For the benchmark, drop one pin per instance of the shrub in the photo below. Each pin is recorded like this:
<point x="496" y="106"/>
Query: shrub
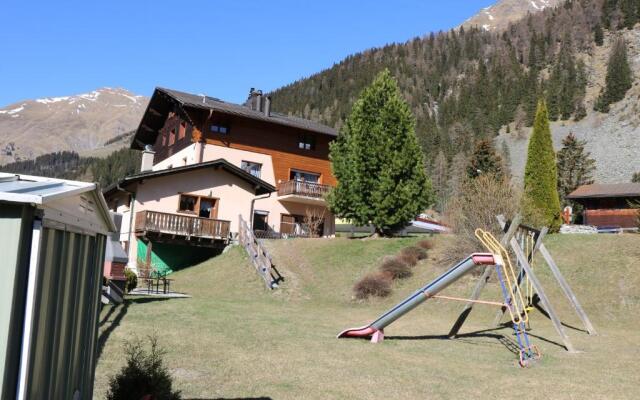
<point x="426" y="244"/>
<point x="376" y="284"/>
<point x="479" y="202"/>
<point x="417" y="252"/>
<point x="132" y="280"/>
<point x="144" y="374"/>
<point x="395" y="268"/>
<point x="409" y="259"/>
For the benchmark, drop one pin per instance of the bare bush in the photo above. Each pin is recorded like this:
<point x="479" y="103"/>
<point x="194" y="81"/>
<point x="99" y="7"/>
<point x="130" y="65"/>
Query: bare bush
<point x="314" y="220"/>
<point x="395" y="268"/>
<point x="480" y="200"/>
<point x="375" y="284"/>
<point x="417" y="252"/>
<point x="409" y="259"/>
<point x="426" y="244"/>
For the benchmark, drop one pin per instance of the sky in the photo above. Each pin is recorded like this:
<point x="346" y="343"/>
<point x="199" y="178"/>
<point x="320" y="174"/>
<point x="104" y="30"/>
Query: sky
<point x="218" y="48"/>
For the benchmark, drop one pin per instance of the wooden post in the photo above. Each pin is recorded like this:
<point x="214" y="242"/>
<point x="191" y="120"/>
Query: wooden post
<point x="567" y="290"/>
<point x="148" y="257"/>
<point x="542" y="295"/>
<point x="482" y="282"/>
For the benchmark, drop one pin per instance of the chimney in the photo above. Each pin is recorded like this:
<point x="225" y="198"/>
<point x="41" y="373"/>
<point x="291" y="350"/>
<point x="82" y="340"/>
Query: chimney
<point x="147" y="158"/>
<point x="267" y="106"/>
<point x="258" y="101"/>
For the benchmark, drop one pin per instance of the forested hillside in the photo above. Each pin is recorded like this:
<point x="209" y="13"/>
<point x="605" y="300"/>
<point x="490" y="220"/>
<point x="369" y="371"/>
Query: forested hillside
<point x="464" y="85"/>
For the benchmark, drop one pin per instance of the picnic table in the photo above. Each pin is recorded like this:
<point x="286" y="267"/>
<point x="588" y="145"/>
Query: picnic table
<point x="155" y="278"/>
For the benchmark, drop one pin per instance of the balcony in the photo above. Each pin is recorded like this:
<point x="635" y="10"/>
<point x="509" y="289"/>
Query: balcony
<point x="181" y="226"/>
<point x="303" y="192"/>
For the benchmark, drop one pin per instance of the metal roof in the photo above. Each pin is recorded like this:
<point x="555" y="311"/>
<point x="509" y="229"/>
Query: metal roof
<point x="212" y="103"/>
<point x="262" y="187"/>
<point x="606" y="190"/>
<point x="42" y="190"/>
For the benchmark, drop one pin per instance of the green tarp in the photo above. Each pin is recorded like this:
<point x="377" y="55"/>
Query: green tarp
<point x="168" y="258"/>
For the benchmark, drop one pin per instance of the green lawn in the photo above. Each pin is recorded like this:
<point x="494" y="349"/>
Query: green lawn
<point x="234" y="339"/>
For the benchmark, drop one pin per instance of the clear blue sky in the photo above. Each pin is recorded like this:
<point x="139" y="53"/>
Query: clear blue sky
<point x="221" y="48"/>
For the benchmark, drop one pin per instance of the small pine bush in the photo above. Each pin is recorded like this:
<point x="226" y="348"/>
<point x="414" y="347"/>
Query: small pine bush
<point x="144" y="374"/>
<point x="377" y="285"/>
<point x="426" y="244"/>
<point x="395" y="268"/>
<point x="132" y="280"/>
<point x="417" y="252"/>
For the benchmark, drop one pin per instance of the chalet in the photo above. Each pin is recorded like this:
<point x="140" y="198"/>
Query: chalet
<point x="608" y="205"/>
<point x="208" y="164"/>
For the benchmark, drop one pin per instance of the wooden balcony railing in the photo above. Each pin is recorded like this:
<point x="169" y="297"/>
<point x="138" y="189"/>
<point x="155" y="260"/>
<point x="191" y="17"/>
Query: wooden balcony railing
<point x="308" y="189"/>
<point x="183" y="225"/>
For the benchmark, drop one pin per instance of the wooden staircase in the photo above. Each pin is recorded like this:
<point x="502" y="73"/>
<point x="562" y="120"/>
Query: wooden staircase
<point x="259" y="256"/>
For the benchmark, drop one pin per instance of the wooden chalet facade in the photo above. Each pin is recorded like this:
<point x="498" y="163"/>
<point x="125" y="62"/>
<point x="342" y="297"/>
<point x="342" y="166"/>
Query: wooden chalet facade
<point x="207" y="162"/>
<point x="608" y="205"/>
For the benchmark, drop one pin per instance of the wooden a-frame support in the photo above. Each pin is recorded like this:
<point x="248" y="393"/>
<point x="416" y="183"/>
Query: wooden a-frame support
<point x="523" y="261"/>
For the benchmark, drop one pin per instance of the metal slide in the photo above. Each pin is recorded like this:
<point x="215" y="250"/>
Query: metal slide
<point x="375" y="329"/>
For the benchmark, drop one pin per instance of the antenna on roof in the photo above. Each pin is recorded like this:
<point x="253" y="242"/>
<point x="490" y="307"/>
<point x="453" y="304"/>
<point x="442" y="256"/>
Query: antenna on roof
<point x="204" y="99"/>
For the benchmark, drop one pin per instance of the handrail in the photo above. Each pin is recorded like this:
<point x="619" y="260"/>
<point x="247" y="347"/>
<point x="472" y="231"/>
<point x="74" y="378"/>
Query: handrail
<point x="259" y="256"/>
<point x="156" y="221"/>
<point x="309" y="189"/>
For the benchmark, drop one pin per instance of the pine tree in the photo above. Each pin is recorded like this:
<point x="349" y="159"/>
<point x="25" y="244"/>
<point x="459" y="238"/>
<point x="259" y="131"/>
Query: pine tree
<point x="485" y="161"/>
<point x="440" y="178"/>
<point x="636" y="177"/>
<point x="619" y="78"/>
<point x="541" y="175"/>
<point x="378" y="163"/>
<point x="575" y="167"/>
<point x="598" y="35"/>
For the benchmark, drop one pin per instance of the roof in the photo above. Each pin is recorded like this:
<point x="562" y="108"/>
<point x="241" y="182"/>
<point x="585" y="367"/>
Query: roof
<point x="606" y="190"/>
<point x="42" y="190"/>
<point x="150" y="124"/>
<point x="262" y="187"/>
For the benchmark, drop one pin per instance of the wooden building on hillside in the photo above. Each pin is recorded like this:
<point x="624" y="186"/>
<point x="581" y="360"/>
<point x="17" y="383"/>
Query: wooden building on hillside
<point x="608" y="205"/>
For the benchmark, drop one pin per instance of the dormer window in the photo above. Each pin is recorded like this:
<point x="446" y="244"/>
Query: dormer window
<point x="219" y="128"/>
<point x="307" y="142"/>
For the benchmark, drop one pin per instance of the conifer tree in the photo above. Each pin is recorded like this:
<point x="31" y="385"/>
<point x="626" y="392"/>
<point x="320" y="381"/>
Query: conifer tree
<point x="575" y="166"/>
<point x="485" y="161"/>
<point x="619" y="78"/>
<point x="378" y="163"/>
<point x="598" y="35"/>
<point x="636" y="177"/>
<point x="540" y="175"/>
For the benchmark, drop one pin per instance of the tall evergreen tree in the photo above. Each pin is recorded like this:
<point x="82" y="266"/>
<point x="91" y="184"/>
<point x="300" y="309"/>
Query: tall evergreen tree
<point x="575" y="166"/>
<point x="378" y="163"/>
<point x="619" y="78"/>
<point x="636" y="177"/>
<point x="541" y="175"/>
<point x="598" y="35"/>
<point x="485" y="161"/>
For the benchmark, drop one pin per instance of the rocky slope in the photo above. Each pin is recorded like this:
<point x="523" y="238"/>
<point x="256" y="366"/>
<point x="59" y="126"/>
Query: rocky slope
<point x="80" y="123"/>
<point x="613" y="138"/>
<point x="499" y="15"/>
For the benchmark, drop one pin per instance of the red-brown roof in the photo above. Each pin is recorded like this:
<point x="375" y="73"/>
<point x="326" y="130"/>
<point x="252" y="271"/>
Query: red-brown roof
<point x="606" y="190"/>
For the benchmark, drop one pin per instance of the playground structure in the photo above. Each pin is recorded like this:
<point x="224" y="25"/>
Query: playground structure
<point x="520" y="289"/>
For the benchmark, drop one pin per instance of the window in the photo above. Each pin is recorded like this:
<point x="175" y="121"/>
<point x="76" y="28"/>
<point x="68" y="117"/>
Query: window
<point x="183" y="130"/>
<point x="260" y="220"/>
<point x="172" y="137"/>
<point x="203" y="207"/>
<point x="219" y="128"/>
<point x="307" y="142"/>
<point x="304" y="176"/>
<point x="252" y="167"/>
<point x="187" y="203"/>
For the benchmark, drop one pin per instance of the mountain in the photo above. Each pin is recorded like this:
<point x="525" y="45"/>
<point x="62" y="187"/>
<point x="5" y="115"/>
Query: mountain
<point x="501" y="14"/>
<point x="472" y="83"/>
<point x="80" y="123"/>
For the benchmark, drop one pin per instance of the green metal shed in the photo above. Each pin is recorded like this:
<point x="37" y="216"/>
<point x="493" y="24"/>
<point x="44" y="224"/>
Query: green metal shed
<point x="52" y="244"/>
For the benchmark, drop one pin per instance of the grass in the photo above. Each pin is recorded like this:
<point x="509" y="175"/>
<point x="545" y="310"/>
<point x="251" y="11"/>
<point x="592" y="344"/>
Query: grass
<point x="233" y="339"/>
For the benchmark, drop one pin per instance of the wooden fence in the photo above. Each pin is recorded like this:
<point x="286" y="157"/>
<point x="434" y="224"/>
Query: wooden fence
<point x="259" y="256"/>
